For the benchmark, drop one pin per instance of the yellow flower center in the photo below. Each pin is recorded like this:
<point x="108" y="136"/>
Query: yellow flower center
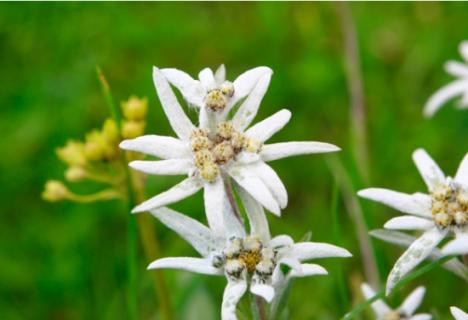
<point x="211" y="151"/>
<point x="392" y="315"/>
<point x="217" y="98"/>
<point x="449" y="206"/>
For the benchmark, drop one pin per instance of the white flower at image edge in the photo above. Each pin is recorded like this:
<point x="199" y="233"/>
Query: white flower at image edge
<point x="458" y="314"/>
<point x="456" y="88"/>
<point x="405" y="311"/>
<point x="210" y="153"/>
<point x="252" y="260"/>
<point x="442" y="212"/>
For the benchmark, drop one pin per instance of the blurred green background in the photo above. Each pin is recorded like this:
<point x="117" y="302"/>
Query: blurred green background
<point x="67" y="261"/>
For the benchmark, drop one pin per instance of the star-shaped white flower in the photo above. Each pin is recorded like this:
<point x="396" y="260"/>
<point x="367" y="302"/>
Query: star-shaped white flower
<point x="456" y="88"/>
<point x="211" y="153"/>
<point x="458" y="314"/>
<point x="442" y="212"/>
<point x="404" y="312"/>
<point x="252" y="260"/>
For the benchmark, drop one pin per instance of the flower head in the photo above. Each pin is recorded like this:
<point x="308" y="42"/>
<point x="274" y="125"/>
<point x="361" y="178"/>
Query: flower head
<point x="246" y="260"/>
<point x="456" y="88"/>
<point x="440" y="213"/>
<point x="404" y="312"/>
<point x="218" y="148"/>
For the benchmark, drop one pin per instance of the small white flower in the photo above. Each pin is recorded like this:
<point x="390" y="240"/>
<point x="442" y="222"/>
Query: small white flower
<point x="246" y="260"/>
<point x="404" y="312"/>
<point x="458" y="314"/>
<point x="453" y="89"/>
<point x="219" y="149"/>
<point x="442" y="212"/>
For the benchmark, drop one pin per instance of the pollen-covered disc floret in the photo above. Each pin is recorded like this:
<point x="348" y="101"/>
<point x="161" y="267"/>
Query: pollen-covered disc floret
<point x="247" y="256"/>
<point x="450" y="205"/>
<point x="217" y="98"/>
<point x="211" y="150"/>
<point x="394" y="315"/>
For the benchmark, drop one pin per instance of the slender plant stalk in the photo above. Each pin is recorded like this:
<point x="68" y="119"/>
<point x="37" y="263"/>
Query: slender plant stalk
<point x="355" y="89"/>
<point x="147" y="235"/>
<point x="381" y="294"/>
<point x="357" y="217"/>
<point x="258" y="304"/>
<point x="343" y="292"/>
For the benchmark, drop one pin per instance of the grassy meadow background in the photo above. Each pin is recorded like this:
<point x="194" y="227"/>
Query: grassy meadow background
<point x="68" y="261"/>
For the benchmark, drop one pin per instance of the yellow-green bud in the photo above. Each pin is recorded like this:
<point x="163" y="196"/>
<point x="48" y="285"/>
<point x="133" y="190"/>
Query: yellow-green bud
<point x="110" y="131"/>
<point x="132" y="129"/>
<point x="135" y="108"/>
<point x="95" y="146"/>
<point x="55" y="191"/>
<point x="72" y="153"/>
<point x="75" y="173"/>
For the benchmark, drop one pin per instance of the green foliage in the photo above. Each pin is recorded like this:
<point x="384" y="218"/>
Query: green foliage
<point x="67" y="261"/>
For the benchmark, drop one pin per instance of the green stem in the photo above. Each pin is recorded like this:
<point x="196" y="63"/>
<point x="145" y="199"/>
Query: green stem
<point x="107" y="194"/>
<point x="381" y="294"/>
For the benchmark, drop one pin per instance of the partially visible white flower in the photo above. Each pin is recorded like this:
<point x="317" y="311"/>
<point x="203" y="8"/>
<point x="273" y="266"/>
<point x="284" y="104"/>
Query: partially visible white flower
<point x="210" y="155"/>
<point x="456" y="88"/>
<point x="252" y="260"/>
<point x="458" y="314"/>
<point x="404" y="312"/>
<point x="442" y="212"/>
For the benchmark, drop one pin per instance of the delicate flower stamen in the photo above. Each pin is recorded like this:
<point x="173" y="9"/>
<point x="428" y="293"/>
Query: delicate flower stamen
<point x="450" y="205"/>
<point x="219" y="148"/>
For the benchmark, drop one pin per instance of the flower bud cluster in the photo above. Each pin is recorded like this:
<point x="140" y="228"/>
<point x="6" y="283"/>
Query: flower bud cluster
<point x="217" y="98"/>
<point x="134" y="111"/>
<point x="247" y="256"/>
<point x="450" y="206"/>
<point x="210" y="152"/>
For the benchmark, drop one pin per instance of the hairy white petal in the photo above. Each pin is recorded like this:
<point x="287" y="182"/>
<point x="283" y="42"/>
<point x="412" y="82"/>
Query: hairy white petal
<point x="265" y="291"/>
<point x="232" y="294"/>
<point x="462" y="172"/>
<point x="458" y="314"/>
<point x="413" y="301"/>
<point x="315" y="250"/>
<point x="422" y="316"/>
<point x="456" y="68"/>
<point x="380" y="308"/>
<point x="200" y="237"/>
<point x="255" y="186"/>
<point x="308" y="269"/>
<point x="248" y="109"/>
<point x="463" y="48"/>
<point x="191" y="89"/>
<point x="244" y="84"/>
<point x="444" y="94"/>
<point x="197" y="265"/>
<point x="416" y="253"/>
<point x="178" y="192"/>
<point x="409" y="223"/>
<point x="266" y="128"/>
<point x="256" y="215"/>
<point x="220" y="74"/>
<point x="207" y="78"/>
<point x="179" y="121"/>
<point x="457" y="246"/>
<point x="281" y="150"/>
<point x="163" y="167"/>
<point x="159" y="146"/>
<point x="428" y="168"/>
<point x="416" y="204"/>
<point x="272" y="182"/>
<point x="282" y="240"/>
<point x="404" y="240"/>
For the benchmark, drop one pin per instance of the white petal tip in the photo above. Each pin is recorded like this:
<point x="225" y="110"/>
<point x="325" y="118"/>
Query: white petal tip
<point x="139" y="209"/>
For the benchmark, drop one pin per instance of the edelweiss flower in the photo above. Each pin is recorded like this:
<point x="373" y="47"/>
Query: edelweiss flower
<point x="404" y="312"/>
<point x="458" y="314"/>
<point x="453" y="89"/>
<point x="246" y="260"/>
<point x="209" y="155"/>
<point x="442" y="212"/>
